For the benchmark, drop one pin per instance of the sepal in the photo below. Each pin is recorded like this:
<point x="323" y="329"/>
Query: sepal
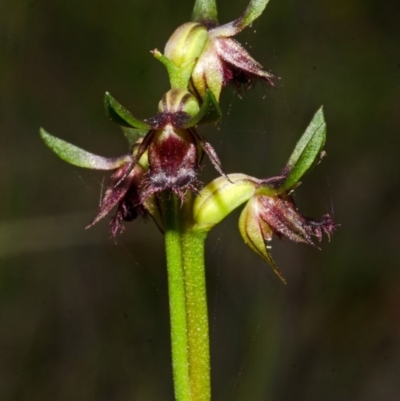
<point x="255" y="233"/>
<point x="79" y="157"/>
<point x="306" y="153"/>
<point x="220" y="197"/>
<point x="209" y="112"/>
<point x="181" y="52"/>
<point x="252" y="12"/>
<point x="122" y="116"/>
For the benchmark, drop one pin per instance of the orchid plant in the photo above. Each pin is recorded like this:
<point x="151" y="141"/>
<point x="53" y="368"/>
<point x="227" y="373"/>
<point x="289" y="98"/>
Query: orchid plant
<point x="158" y="177"/>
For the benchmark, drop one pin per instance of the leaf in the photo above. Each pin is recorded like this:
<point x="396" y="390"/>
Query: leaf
<point x="205" y="12"/>
<point x="120" y="115"/>
<point x="307" y="151"/>
<point x="209" y="111"/>
<point x="79" y="157"/>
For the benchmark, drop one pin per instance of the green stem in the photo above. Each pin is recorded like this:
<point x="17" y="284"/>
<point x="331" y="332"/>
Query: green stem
<point x="177" y="301"/>
<point x="197" y="315"/>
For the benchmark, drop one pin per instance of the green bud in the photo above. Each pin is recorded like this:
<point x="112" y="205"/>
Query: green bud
<point x="219" y="198"/>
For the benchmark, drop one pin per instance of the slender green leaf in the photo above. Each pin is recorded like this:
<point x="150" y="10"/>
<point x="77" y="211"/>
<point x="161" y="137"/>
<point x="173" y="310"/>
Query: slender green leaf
<point x="205" y="12"/>
<point x="79" y="157"/>
<point x="120" y="115"/>
<point x="209" y="111"/>
<point x="307" y="151"/>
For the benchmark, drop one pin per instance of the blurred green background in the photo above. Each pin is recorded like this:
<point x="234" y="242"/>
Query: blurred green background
<point x="82" y="318"/>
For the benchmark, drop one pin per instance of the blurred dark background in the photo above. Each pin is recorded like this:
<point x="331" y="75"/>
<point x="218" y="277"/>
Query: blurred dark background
<point x="82" y="318"/>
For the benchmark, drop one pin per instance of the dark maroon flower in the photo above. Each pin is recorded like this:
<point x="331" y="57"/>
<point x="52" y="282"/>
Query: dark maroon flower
<point x="174" y="147"/>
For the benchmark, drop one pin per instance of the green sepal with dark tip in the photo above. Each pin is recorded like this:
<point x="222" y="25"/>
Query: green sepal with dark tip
<point x="120" y="115"/>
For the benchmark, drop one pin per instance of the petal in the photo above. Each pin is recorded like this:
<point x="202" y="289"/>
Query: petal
<point x="81" y="158"/>
<point x="283" y="218"/>
<point x="115" y="191"/>
<point x="205" y="12"/>
<point x="209" y="72"/>
<point x="306" y="153"/>
<point x="252" y="12"/>
<point x="210" y="151"/>
<point x="120" y="115"/>
<point x="233" y="53"/>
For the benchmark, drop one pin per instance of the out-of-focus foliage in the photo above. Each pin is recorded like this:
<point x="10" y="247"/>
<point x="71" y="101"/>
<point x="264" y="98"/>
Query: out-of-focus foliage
<point x="84" y="319"/>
